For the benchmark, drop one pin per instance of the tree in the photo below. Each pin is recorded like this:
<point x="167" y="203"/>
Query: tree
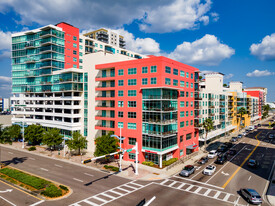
<point x="77" y="142"/>
<point x="52" y="137"/>
<point x="208" y="125"/>
<point x="105" y="145"/>
<point x="241" y="112"/>
<point x="200" y="77"/>
<point x="225" y="85"/>
<point x="15" y="132"/>
<point x="5" y="136"/>
<point x="266" y="109"/>
<point x="34" y="134"/>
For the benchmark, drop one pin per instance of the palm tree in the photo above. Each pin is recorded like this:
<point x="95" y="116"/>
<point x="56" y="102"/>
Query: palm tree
<point x="208" y="125"/>
<point x="241" y="112"/>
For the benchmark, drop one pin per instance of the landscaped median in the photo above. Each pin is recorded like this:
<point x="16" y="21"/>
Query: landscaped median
<point x="33" y="184"/>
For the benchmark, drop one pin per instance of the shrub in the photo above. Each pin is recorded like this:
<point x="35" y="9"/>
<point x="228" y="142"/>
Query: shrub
<point x="151" y="164"/>
<point x="32" y="148"/>
<point x="52" y="191"/>
<point x="115" y="169"/>
<point x="169" y="162"/>
<point x="27" y="179"/>
<point x="63" y="187"/>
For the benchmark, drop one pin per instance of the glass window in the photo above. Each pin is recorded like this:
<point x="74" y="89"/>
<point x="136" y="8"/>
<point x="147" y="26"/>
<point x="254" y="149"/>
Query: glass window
<point x="132" y="156"/>
<point x="120" y="72"/>
<point x="96" y="45"/>
<point x="187" y="113"/>
<point x="167" y="81"/>
<point x="132" y="141"/>
<point x="181" y="138"/>
<point x="80" y="40"/>
<point x="182" y="124"/>
<point x="144" y="81"/>
<point x="168" y="70"/>
<point x="132" y="93"/>
<point x="191" y="94"/>
<point x="182" y="83"/>
<point x="188" y="136"/>
<point x="153" y="69"/>
<point x="144" y="70"/>
<point x="191" y="85"/>
<point x="120" y="93"/>
<point x="182" y="73"/>
<point x="74" y="59"/>
<point x="120" y="103"/>
<point x="191" y="75"/>
<point x="187" y="84"/>
<point x="191" y="122"/>
<point x="175" y="82"/>
<point x="74" y="52"/>
<point x="181" y="103"/>
<point x="181" y="152"/>
<point x="132" y="82"/>
<point x="132" y="126"/>
<point x="74" y="45"/>
<point x="181" y="93"/>
<point x="120" y="114"/>
<point x="74" y="38"/>
<point x="187" y="103"/>
<point x="175" y="71"/>
<point x="191" y="113"/>
<point x="182" y="114"/>
<point x="132" y="104"/>
<point x="153" y="80"/>
<point x="187" y="94"/>
<point x="120" y="82"/>
<point x="187" y="123"/>
<point x="132" y="115"/>
<point x="120" y="125"/>
<point x="132" y="71"/>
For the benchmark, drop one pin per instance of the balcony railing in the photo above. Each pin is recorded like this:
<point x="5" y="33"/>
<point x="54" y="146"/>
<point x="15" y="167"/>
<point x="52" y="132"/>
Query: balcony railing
<point x="153" y="121"/>
<point x="161" y="133"/>
<point x="198" y="98"/>
<point x="167" y="109"/>
<point x="105" y="96"/>
<point x="105" y="76"/>
<point x="106" y="126"/>
<point x="212" y="106"/>
<point x="160" y="97"/>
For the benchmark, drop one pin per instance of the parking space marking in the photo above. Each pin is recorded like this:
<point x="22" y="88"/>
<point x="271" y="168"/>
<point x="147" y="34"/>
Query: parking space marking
<point x="249" y="178"/>
<point x="88" y="174"/>
<point x="37" y="203"/>
<point x="163" y="182"/>
<point x="58" y="165"/>
<point x="189" y="188"/>
<point x="77" y="180"/>
<point x="217" y="194"/>
<point x="7" y="201"/>
<point x="44" y="169"/>
<point x="182" y="184"/>
<point x="197" y="190"/>
<point x="100" y="199"/>
<point x="226" y="197"/>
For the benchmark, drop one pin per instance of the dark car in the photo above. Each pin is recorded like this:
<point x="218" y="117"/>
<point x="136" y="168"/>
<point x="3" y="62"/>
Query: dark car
<point x="222" y="149"/>
<point x="233" y="139"/>
<point x="247" y="130"/>
<point x="253" y="163"/>
<point x="255" y="126"/>
<point x="229" y="144"/>
<point x="232" y="152"/>
<point x="259" y="125"/>
<point x="203" y="160"/>
<point x="251" y="196"/>
<point x="187" y="171"/>
<point x="221" y="159"/>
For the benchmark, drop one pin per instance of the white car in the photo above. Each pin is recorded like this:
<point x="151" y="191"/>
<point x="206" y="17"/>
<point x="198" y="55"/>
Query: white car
<point x="212" y="154"/>
<point x="244" y="133"/>
<point x="209" y="170"/>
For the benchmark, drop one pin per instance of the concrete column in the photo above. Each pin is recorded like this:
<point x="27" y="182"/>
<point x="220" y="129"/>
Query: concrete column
<point x="160" y="161"/>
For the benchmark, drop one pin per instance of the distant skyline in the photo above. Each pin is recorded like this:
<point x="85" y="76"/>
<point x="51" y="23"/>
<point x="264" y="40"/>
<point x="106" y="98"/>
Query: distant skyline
<point x="236" y="38"/>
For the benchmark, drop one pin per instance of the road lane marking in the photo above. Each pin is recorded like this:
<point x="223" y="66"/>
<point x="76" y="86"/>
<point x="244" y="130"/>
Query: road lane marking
<point x="163" y="182"/>
<point x="249" y="178"/>
<point x="8" y="201"/>
<point x="217" y="194"/>
<point x="44" y="169"/>
<point x="10" y="152"/>
<point x="226" y="197"/>
<point x="58" y="165"/>
<point x="237" y="170"/>
<point x="111" y="197"/>
<point x="37" y="203"/>
<point x="7" y="190"/>
<point x="182" y="184"/>
<point x="77" y="180"/>
<point x="172" y="184"/>
<point x="88" y="174"/>
<point x="100" y="199"/>
<point x="197" y="190"/>
<point x="207" y="192"/>
<point x="189" y="188"/>
<point x="224" y="165"/>
<point x="31" y="158"/>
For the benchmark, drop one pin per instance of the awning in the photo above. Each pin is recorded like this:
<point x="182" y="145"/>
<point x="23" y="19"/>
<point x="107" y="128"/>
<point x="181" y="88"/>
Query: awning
<point x="192" y="146"/>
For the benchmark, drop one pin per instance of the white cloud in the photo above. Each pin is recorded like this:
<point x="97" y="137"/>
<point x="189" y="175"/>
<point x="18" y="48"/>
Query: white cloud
<point x="180" y="14"/>
<point x="266" y="49"/>
<point x="139" y="45"/>
<point x="215" y="16"/>
<point x="260" y="73"/>
<point x="205" y="51"/>
<point x="5" y="40"/>
<point x="153" y="16"/>
<point x="228" y="76"/>
<point x="4" y="54"/>
<point x="206" y="72"/>
<point x="5" y="79"/>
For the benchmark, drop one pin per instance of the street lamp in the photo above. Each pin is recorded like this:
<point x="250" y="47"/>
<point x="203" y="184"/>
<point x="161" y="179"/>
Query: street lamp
<point x="21" y="124"/>
<point x="120" y="149"/>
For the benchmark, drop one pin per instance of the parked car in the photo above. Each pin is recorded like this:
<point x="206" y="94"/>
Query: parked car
<point x="247" y="130"/>
<point x="251" y="196"/>
<point x="233" y="139"/>
<point x="255" y="127"/>
<point x="259" y="125"/>
<point x="239" y="136"/>
<point x="244" y="133"/>
<point x="251" y="128"/>
<point x="212" y="154"/>
<point x="221" y="159"/>
<point x="209" y="170"/>
<point x="229" y="144"/>
<point x="232" y="152"/>
<point x="271" y="136"/>
<point x="187" y="171"/>
<point x="253" y="163"/>
<point x="222" y="148"/>
<point x="203" y="160"/>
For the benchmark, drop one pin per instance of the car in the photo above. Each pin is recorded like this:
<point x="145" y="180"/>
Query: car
<point x="203" y="160"/>
<point x="255" y="127"/>
<point x="244" y="133"/>
<point x="239" y="136"/>
<point x="229" y="144"/>
<point x="212" y="154"/>
<point x="232" y="152"/>
<point x="259" y="125"/>
<point x="233" y="139"/>
<point x="253" y="163"/>
<point x="271" y="136"/>
<point x="222" y="148"/>
<point x="251" y="196"/>
<point x="209" y="170"/>
<point x="247" y="130"/>
<point x="221" y="159"/>
<point x="251" y="128"/>
<point x="187" y="171"/>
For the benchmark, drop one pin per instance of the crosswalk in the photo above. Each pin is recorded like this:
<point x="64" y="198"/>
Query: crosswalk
<point x="111" y="195"/>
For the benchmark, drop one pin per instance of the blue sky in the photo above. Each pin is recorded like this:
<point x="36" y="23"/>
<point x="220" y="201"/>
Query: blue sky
<point x="234" y="37"/>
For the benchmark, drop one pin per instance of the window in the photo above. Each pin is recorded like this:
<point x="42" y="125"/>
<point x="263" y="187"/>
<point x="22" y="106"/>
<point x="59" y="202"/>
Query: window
<point x="182" y="124"/>
<point x="132" y="82"/>
<point x="153" y="69"/>
<point x="153" y="80"/>
<point x="120" y="103"/>
<point x="132" y="115"/>
<point x="182" y="73"/>
<point x="181" y="103"/>
<point x="144" y="70"/>
<point x="167" y="70"/>
<point x="74" y="38"/>
<point x="181" y="93"/>
<point x="187" y="84"/>
<point x="182" y="83"/>
<point x="120" y="114"/>
<point x="187" y="104"/>
<point x="191" y="104"/>
<point x="182" y="114"/>
<point x="181" y="152"/>
<point x="80" y="61"/>
<point x="132" y="126"/>
<point x="120" y="125"/>
<point x="132" y="71"/>
<point x="191" y="75"/>
<point x="120" y="82"/>
<point x="120" y="93"/>
<point x="167" y="81"/>
<point x="74" y="45"/>
<point x="187" y="74"/>
<point x="132" y="104"/>
<point x="188" y="136"/>
<point x="187" y="114"/>
<point x="132" y="93"/>
<point x="187" y="94"/>
<point x="74" y="59"/>
<point x="132" y="141"/>
<point x="181" y="138"/>
<point x="191" y="94"/>
<point x="101" y="47"/>
<point x="175" y="71"/>
<point x="191" y="85"/>
<point x="120" y="72"/>
<point x="74" y="52"/>
<point x="175" y="82"/>
<point x="74" y="66"/>
<point x="132" y="156"/>
<point x="96" y="45"/>
<point x="144" y="81"/>
<point x="80" y="47"/>
<point x="80" y="54"/>
<point x="191" y="113"/>
<point x="187" y="123"/>
<point x="80" y="40"/>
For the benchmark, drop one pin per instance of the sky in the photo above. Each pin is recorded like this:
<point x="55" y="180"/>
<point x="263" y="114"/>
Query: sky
<point x="236" y="37"/>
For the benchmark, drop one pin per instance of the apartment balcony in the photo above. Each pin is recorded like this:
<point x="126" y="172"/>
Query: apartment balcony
<point x="104" y="88"/>
<point x="197" y="126"/>
<point x="157" y="97"/>
<point x="212" y="114"/>
<point x="104" y="107"/>
<point x="162" y="122"/>
<point x="198" y="116"/>
<point x="212" y="106"/>
<point x="211" y="99"/>
<point x="104" y="127"/>
<point x="222" y="105"/>
<point x="198" y="98"/>
<point x="166" y="109"/>
<point x="163" y="134"/>
<point x="30" y="46"/>
<point x="197" y="107"/>
<point x="30" y="61"/>
<point x="222" y="112"/>
<point x="105" y="77"/>
<point x="106" y="117"/>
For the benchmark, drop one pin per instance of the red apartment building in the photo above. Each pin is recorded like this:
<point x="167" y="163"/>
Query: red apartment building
<point x="152" y="101"/>
<point x="260" y="95"/>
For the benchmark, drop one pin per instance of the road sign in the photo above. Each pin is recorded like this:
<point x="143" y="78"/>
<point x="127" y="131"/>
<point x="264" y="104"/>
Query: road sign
<point x="129" y="150"/>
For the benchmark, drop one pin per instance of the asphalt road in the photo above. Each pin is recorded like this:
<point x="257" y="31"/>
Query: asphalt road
<point x="92" y="187"/>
